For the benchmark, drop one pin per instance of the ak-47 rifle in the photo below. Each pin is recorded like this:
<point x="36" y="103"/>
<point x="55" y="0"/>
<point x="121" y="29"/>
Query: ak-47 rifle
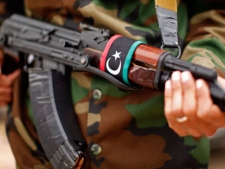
<point x="51" y="52"/>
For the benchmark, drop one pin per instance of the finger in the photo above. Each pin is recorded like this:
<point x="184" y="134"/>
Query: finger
<point x="9" y="79"/>
<point x="168" y="98"/>
<point x="14" y="75"/>
<point x="217" y="116"/>
<point x="189" y="95"/>
<point x="176" y="103"/>
<point x="4" y="91"/>
<point x="5" y="100"/>
<point x="171" y="119"/>
<point x="204" y="111"/>
<point x="204" y="100"/>
<point x="189" y="104"/>
<point x="5" y="95"/>
<point x="210" y="112"/>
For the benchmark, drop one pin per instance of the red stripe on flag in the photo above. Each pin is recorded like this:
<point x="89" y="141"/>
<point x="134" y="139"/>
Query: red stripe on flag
<point x="106" y="50"/>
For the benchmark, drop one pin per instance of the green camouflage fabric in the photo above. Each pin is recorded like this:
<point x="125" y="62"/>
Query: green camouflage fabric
<point x="129" y="128"/>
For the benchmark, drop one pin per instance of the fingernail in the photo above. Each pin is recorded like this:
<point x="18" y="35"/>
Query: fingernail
<point x="184" y="76"/>
<point x="199" y="84"/>
<point x="168" y="84"/>
<point x="176" y="76"/>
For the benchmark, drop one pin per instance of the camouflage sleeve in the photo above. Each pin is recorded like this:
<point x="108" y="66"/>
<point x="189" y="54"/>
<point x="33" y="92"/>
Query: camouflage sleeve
<point x="63" y="13"/>
<point x="206" y="40"/>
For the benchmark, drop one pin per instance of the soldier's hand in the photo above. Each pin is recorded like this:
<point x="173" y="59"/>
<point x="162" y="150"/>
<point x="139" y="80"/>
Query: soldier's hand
<point x="189" y="108"/>
<point x="6" y="82"/>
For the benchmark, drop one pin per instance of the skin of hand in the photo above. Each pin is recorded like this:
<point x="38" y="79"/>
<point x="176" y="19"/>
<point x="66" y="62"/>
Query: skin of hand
<point x="185" y="96"/>
<point x="6" y="82"/>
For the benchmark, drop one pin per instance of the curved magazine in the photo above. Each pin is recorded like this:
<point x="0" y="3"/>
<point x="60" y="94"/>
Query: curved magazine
<point x="55" y="119"/>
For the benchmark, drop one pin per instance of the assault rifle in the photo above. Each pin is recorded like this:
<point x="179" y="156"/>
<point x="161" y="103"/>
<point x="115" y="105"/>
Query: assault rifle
<point x="51" y="52"/>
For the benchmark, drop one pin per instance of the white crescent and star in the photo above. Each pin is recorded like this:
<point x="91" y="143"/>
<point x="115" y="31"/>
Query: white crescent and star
<point x="117" y="71"/>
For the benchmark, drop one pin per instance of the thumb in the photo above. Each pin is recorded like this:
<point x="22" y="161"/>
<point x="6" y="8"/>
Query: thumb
<point x="7" y="80"/>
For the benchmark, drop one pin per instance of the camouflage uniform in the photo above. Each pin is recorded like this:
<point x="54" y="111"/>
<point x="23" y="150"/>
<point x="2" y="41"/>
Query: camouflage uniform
<point x="125" y="129"/>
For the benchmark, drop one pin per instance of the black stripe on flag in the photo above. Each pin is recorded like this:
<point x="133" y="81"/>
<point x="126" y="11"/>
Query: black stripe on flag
<point x="116" y="56"/>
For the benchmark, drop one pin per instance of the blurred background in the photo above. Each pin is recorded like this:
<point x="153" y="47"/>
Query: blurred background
<point x="217" y="160"/>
